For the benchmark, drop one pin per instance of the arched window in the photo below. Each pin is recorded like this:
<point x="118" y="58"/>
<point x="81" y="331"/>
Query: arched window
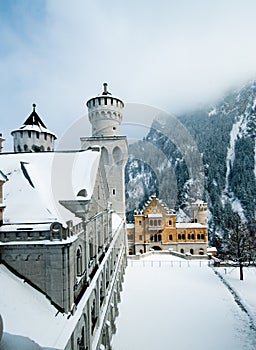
<point x="151" y="222"/>
<point x="79" y="267"/>
<point x="201" y="251"/>
<point x="48" y="148"/>
<point x="182" y="251"/>
<point x="155" y="222"/>
<point x="191" y="251"/>
<point x="189" y="236"/>
<point x="159" y="222"/>
<point x="105" y="156"/>
<point x="179" y="236"/>
<point x="202" y="236"/>
<point x="170" y="237"/>
<point x="19" y="148"/>
<point x="192" y="236"/>
<point x="91" y="250"/>
<point x="93" y="314"/>
<point x="102" y="293"/>
<point x="117" y="155"/>
<point x="183" y="235"/>
<point x="198" y="236"/>
<point x="26" y="148"/>
<point x="159" y="238"/>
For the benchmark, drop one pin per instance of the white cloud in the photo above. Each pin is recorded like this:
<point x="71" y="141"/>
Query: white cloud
<point x="169" y="54"/>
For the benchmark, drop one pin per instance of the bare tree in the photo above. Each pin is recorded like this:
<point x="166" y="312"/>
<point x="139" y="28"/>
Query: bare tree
<point x="241" y="243"/>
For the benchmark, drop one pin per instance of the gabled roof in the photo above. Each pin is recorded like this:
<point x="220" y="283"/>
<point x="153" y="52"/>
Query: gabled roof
<point x="153" y="200"/>
<point x="38" y="182"/>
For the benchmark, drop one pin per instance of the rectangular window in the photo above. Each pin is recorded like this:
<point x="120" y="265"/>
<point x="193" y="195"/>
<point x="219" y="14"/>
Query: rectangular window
<point x="170" y="222"/>
<point x="114" y="191"/>
<point x="140" y="237"/>
<point x="170" y="237"/>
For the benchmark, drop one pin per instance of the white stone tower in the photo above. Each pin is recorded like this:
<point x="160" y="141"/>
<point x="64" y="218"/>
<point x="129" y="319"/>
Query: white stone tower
<point x="105" y="115"/>
<point x="200" y="212"/>
<point x="33" y="135"/>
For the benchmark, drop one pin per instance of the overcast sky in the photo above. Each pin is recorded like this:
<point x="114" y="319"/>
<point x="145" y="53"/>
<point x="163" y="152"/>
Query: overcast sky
<point x="170" y="54"/>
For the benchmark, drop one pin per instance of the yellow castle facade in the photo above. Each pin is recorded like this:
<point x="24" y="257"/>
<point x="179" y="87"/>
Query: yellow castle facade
<point x="155" y="228"/>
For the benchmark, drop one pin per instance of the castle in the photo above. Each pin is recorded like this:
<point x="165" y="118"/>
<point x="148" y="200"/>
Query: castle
<point x="62" y="232"/>
<point x="155" y="228"/>
<point x="63" y="236"/>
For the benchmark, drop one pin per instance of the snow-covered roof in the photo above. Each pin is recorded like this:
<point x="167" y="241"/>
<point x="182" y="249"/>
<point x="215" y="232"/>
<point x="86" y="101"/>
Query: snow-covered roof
<point x="130" y="225"/>
<point x="28" y="313"/>
<point x="26" y="227"/>
<point x="2" y="177"/>
<point x="23" y="307"/>
<point x="185" y="225"/>
<point x="199" y="202"/>
<point x="158" y="215"/>
<point x="34" y="123"/>
<point x="38" y="181"/>
<point x="211" y="249"/>
<point x="37" y="128"/>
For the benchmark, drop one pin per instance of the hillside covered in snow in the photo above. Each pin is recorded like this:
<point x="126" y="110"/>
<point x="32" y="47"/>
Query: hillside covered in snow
<point x="216" y="161"/>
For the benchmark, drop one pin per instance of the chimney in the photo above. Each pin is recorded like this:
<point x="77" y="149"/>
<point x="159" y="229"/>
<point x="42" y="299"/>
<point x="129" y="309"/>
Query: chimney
<point x="1" y="142"/>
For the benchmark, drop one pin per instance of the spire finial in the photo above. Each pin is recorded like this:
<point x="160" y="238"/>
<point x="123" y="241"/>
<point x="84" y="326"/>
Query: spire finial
<point x="34" y="107"/>
<point x="105" y="92"/>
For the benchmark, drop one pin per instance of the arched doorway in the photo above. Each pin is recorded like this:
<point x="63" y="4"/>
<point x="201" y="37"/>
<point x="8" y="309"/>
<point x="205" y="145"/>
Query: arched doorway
<point x="156" y="247"/>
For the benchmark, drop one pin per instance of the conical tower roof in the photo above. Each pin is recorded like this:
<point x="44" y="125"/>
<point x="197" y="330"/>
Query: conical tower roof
<point x="34" y="123"/>
<point x="34" y="119"/>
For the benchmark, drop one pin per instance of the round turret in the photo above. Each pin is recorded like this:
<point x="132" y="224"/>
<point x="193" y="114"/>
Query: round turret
<point x="200" y="212"/>
<point x="105" y="114"/>
<point x="33" y="135"/>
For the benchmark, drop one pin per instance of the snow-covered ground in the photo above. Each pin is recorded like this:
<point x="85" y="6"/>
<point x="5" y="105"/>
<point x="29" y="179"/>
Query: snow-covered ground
<point x="170" y="303"/>
<point x="245" y="290"/>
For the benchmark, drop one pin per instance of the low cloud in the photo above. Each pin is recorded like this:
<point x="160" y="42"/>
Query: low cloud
<point x="174" y="56"/>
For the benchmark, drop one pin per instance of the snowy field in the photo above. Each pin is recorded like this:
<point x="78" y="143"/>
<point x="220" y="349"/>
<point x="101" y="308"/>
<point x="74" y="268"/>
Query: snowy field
<point x="182" y="305"/>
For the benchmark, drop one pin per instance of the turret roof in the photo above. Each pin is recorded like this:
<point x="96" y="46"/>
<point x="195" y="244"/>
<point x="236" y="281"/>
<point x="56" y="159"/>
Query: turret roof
<point x="34" y="119"/>
<point x="34" y="123"/>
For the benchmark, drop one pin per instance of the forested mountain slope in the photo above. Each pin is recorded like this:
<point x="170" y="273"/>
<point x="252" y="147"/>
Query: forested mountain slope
<point x="207" y="154"/>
